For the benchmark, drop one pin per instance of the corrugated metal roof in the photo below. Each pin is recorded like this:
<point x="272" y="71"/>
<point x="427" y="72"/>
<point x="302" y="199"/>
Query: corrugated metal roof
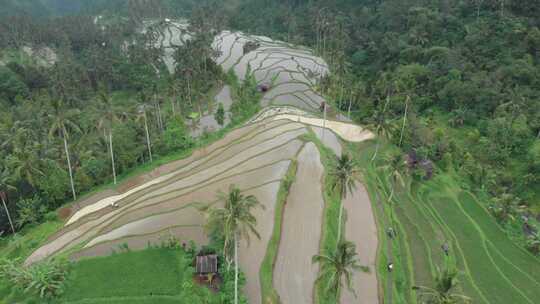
<point x="207" y="264"/>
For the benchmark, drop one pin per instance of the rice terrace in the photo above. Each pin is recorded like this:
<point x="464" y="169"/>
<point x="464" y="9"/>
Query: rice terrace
<point x="186" y="152"/>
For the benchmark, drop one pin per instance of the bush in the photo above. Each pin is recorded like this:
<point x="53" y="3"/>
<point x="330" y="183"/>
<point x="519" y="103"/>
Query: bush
<point x="54" y="182"/>
<point x="44" y="279"/>
<point x="176" y="136"/>
<point x="30" y="211"/>
<point x="220" y="114"/>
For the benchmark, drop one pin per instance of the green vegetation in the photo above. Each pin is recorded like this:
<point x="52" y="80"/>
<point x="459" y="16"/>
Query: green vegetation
<point x="332" y="201"/>
<point x="424" y="75"/>
<point x="450" y="87"/>
<point x="45" y="280"/>
<point x="338" y="268"/>
<point x="431" y="213"/>
<point x="85" y="129"/>
<point x="151" y="272"/>
<point x="155" y="275"/>
<point x="343" y="182"/>
<point x="443" y="293"/>
<point x="233" y="222"/>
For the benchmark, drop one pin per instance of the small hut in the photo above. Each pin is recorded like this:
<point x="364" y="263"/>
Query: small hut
<point x="206" y="265"/>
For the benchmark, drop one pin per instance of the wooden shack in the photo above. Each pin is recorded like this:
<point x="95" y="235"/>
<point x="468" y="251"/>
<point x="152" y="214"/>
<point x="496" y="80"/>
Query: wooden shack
<point x="206" y="264"/>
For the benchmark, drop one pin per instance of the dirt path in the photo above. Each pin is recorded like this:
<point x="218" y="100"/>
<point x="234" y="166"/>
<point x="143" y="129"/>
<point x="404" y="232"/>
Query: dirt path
<point x="360" y="228"/>
<point x="347" y="131"/>
<point x="294" y="274"/>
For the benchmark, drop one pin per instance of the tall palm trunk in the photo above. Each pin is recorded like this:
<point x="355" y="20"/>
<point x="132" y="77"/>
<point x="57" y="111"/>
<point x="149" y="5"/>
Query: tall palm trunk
<point x="350" y="105"/>
<point x="172" y="106"/>
<point x="404" y="121"/>
<point x="340" y="221"/>
<point x="8" y="215"/>
<point x="112" y="156"/>
<point x="161" y="125"/>
<point x="324" y="122"/>
<point x="341" y="94"/>
<point x="147" y="137"/>
<point x="376" y="149"/>
<point x="69" y="167"/>
<point x="235" y="268"/>
<point x="189" y="92"/>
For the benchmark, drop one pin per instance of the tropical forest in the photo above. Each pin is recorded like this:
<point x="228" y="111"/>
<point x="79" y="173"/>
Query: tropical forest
<point x="270" y="151"/>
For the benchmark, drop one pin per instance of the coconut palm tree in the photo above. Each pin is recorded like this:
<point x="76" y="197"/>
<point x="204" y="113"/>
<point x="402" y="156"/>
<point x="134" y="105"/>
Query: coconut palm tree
<point x="5" y="185"/>
<point x="384" y="126"/>
<point x="61" y="121"/>
<point x="395" y="166"/>
<point x="109" y="115"/>
<point x="505" y="207"/>
<point x="24" y="163"/>
<point x="443" y="293"/>
<point x="344" y="182"/>
<point x="234" y="221"/>
<point x="338" y="267"/>
<point x="533" y="242"/>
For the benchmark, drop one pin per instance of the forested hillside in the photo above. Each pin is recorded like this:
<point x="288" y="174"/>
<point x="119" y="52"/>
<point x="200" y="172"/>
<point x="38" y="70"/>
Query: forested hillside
<point x="456" y="83"/>
<point x="42" y="8"/>
<point x="94" y="92"/>
<point x="81" y="97"/>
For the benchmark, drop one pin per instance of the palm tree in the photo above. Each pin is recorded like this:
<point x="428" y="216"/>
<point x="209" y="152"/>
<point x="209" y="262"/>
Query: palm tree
<point x="234" y="221"/>
<point x="338" y="266"/>
<point x="61" y="121"/>
<point x="108" y="116"/>
<point x="25" y="164"/>
<point x="505" y="207"/>
<point x="344" y="181"/>
<point x="395" y="165"/>
<point x="384" y="127"/>
<point x="445" y="283"/>
<point x="5" y="185"/>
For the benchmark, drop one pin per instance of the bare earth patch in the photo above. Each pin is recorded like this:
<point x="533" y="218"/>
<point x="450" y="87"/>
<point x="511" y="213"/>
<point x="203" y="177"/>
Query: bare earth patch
<point x="347" y="131"/>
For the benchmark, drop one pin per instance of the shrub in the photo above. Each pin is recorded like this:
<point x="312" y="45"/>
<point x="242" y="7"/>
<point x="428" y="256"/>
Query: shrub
<point x="220" y="114"/>
<point x="44" y="279"/>
<point x="30" y="211"/>
<point x="176" y="136"/>
<point x="54" y="183"/>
